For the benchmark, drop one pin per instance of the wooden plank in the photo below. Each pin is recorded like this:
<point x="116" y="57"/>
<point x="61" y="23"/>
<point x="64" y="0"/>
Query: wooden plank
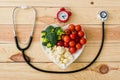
<point x="48" y="15"/>
<point x="100" y="71"/>
<point x="107" y="67"/>
<point x="23" y="31"/>
<point x="112" y="39"/>
<point x="61" y="3"/>
<point x="9" y="53"/>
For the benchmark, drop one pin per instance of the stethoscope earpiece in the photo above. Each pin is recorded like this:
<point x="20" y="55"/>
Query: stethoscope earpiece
<point x="102" y="15"/>
<point x="24" y="7"/>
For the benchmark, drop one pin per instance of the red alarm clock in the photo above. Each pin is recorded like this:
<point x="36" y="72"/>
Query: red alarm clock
<point x="63" y="15"/>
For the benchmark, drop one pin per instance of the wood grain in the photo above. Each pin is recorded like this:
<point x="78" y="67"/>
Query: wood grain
<point x="84" y="12"/>
<point x="22" y="71"/>
<point x="112" y="39"/>
<point x="61" y="3"/>
<point x="23" y="31"/>
<point x="44" y="15"/>
<point x="37" y="55"/>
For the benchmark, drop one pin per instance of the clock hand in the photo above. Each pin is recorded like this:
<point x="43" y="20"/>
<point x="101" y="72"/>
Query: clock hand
<point x="63" y="17"/>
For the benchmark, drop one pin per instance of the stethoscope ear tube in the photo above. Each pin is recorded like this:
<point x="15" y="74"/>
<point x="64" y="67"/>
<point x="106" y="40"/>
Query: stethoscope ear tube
<point x="102" y="16"/>
<point x="18" y="46"/>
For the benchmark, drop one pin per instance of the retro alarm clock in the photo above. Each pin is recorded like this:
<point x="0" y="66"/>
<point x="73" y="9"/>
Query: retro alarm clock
<point x="63" y="15"/>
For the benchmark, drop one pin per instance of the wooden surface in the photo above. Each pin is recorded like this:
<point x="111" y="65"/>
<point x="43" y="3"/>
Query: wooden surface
<point x="107" y="66"/>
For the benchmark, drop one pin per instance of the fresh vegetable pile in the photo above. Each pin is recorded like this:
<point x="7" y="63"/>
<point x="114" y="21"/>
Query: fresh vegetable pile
<point x="72" y="37"/>
<point x="51" y="35"/>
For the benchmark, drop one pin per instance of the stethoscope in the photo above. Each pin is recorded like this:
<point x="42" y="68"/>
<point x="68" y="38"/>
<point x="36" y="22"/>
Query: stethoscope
<point x="102" y="15"/>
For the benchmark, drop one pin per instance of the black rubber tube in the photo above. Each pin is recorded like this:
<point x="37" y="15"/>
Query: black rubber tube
<point x="18" y="46"/>
<point x="59" y="72"/>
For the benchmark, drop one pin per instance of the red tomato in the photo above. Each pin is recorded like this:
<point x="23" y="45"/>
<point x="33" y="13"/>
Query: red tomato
<point x="59" y="43"/>
<point x="80" y="33"/>
<point x="66" y="44"/>
<point x="67" y="31"/>
<point x="72" y="43"/>
<point x="74" y="32"/>
<point x="72" y="50"/>
<point x="66" y="38"/>
<point x="78" y="46"/>
<point x="77" y="27"/>
<point x="71" y="27"/>
<point x="82" y="41"/>
<point x="77" y="40"/>
<point x="73" y="36"/>
<point x="63" y="35"/>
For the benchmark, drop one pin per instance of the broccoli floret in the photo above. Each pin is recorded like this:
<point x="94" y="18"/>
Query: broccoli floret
<point x="43" y="33"/>
<point x="52" y="37"/>
<point x="59" y="31"/>
<point x="44" y="43"/>
<point x="44" y="39"/>
<point x="49" y="45"/>
<point x="59" y="38"/>
<point x="50" y="29"/>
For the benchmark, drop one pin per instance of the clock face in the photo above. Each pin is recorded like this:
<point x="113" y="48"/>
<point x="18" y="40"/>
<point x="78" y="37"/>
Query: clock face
<point x="63" y="16"/>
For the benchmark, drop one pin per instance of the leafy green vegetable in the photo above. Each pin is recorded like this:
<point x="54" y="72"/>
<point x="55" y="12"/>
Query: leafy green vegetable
<point x="58" y="37"/>
<point x="59" y="31"/>
<point x="44" y="43"/>
<point x="44" y="33"/>
<point x="52" y="37"/>
<point x="44" y="39"/>
<point x="50" y="29"/>
<point x="49" y="45"/>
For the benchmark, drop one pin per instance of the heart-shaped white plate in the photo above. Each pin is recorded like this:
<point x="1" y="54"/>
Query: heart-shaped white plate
<point x="75" y="55"/>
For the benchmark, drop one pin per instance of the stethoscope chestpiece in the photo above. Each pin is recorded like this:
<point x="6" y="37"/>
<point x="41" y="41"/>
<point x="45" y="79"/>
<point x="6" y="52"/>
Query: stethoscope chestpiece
<point x="102" y="15"/>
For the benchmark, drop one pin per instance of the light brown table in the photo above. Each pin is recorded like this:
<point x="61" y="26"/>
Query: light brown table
<point x="107" y="66"/>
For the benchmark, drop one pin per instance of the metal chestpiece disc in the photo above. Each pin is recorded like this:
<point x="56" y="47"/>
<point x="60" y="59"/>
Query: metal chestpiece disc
<point x="102" y="15"/>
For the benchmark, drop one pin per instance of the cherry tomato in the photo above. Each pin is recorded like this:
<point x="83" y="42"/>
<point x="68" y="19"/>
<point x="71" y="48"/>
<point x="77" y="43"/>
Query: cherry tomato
<point x="73" y="36"/>
<point x="72" y="50"/>
<point x="82" y="41"/>
<point x="59" y="43"/>
<point x="74" y="32"/>
<point x="77" y="40"/>
<point x="72" y="43"/>
<point x="66" y="38"/>
<point x="80" y="33"/>
<point x="63" y="35"/>
<point x="71" y="27"/>
<point x="66" y="44"/>
<point x="67" y="31"/>
<point x="77" y="27"/>
<point x="78" y="46"/>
